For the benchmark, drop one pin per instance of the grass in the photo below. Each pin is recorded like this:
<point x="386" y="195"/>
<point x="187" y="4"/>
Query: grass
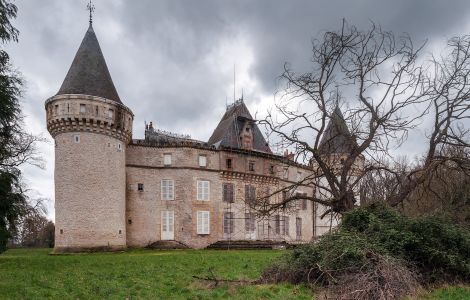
<point x="137" y="274"/>
<point x="147" y="274"/>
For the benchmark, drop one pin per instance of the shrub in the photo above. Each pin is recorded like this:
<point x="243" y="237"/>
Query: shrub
<point x="379" y="249"/>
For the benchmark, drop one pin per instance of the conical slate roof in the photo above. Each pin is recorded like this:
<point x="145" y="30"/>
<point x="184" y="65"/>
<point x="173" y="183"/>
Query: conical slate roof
<point x="88" y="73"/>
<point x="337" y="138"/>
<point x="228" y="130"/>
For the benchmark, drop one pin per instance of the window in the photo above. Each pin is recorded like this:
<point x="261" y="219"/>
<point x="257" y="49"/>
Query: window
<point x="167" y="159"/>
<point x="281" y="225"/>
<point x="202" y="222"/>
<point x="228" y="222"/>
<point x="251" y="166"/>
<point x="76" y="138"/>
<point x="304" y="204"/>
<point x="82" y="108"/>
<point x="285" y="227"/>
<point x="140" y="187"/>
<point x="250" y="194"/>
<point x="110" y="113"/>
<point x="61" y="231"/>
<point x="299" y="176"/>
<point x="168" y="187"/>
<point x="119" y="146"/>
<point x="286" y="173"/>
<point x="229" y="163"/>
<point x="56" y="109"/>
<point x="271" y="169"/>
<point x="202" y="160"/>
<point x="298" y="228"/>
<point x="249" y="222"/>
<point x="203" y="190"/>
<point x="277" y="224"/>
<point x="129" y="221"/>
<point x="227" y="192"/>
<point x="248" y="129"/>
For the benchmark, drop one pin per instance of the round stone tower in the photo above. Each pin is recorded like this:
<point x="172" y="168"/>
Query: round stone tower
<point x="91" y="129"/>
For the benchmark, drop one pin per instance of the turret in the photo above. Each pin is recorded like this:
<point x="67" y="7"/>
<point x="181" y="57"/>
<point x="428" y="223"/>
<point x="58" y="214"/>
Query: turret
<point x="91" y="128"/>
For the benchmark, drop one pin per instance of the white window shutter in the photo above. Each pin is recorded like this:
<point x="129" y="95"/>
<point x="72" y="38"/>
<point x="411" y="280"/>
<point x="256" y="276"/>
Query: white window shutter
<point x="203" y="222"/>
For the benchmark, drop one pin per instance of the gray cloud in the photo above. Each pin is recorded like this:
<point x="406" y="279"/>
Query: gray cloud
<point x="171" y="61"/>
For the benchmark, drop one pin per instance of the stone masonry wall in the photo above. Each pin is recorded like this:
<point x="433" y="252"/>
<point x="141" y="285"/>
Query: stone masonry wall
<point x="89" y="191"/>
<point x="145" y="166"/>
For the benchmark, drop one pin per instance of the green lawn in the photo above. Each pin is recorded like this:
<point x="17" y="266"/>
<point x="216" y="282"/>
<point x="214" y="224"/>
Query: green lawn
<point x="137" y="274"/>
<point x="147" y="274"/>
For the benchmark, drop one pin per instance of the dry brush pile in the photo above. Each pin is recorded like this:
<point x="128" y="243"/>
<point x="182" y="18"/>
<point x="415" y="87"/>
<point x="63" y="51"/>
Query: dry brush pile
<point x="379" y="254"/>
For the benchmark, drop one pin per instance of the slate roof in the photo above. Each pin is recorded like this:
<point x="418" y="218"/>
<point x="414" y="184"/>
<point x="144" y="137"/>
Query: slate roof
<point x="337" y="138"/>
<point x="88" y="73"/>
<point x="227" y="132"/>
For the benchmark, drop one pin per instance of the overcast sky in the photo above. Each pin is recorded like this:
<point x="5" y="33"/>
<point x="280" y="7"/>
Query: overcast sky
<point x="172" y="61"/>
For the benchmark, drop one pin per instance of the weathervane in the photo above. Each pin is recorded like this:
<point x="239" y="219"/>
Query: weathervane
<point x="91" y="8"/>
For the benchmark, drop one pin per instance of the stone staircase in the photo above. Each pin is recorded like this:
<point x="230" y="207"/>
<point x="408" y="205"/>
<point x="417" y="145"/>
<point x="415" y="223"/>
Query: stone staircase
<point x="167" y="245"/>
<point x="247" y="245"/>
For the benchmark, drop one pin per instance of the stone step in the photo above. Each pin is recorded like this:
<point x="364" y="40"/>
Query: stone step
<point x="167" y="245"/>
<point x="247" y="244"/>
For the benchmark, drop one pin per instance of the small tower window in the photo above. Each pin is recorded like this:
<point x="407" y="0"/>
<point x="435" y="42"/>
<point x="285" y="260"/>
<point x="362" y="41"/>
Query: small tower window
<point x="82" y="108"/>
<point x="202" y="161"/>
<point x="129" y="221"/>
<point x="167" y="159"/>
<point x="140" y="187"/>
<point x="271" y="169"/>
<point x="251" y="166"/>
<point x="76" y="138"/>
<point x="110" y="113"/>
<point x="229" y="163"/>
<point x="120" y="231"/>
<point x="56" y="109"/>
<point x="61" y="231"/>
<point x="119" y="146"/>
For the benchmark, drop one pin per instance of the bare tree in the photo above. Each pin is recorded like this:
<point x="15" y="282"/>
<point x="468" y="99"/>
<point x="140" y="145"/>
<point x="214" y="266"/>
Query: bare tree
<point x="388" y="91"/>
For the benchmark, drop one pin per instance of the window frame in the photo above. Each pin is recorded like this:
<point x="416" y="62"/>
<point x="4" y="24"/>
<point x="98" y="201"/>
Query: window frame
<point x="230" y="191"/>
<point x="170" y="159"/>
<point x="203" y="220"/>
<point x="204" y="159"/>
<point x="201" y="189"/>
<point x="167" y="196"/>
<point x="228" y="223"/>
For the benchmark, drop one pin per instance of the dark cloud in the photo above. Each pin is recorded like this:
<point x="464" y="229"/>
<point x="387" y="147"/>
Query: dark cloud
<point x="172" y="61"/>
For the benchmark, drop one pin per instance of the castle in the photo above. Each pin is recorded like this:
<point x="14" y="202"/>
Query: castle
<point x="114" y="192"/>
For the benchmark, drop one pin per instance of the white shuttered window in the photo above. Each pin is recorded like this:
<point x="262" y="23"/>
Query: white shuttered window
<point x="203" y="190"/>
<point x="202" y="222"/>
<point x="167" y="159"/>
<point x="168" y="189"/>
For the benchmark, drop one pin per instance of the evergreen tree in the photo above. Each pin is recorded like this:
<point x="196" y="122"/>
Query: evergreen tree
<point x="16" y="145"/>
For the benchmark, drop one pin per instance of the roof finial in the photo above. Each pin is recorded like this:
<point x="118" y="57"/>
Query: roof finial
<point x="91" y="8"/>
